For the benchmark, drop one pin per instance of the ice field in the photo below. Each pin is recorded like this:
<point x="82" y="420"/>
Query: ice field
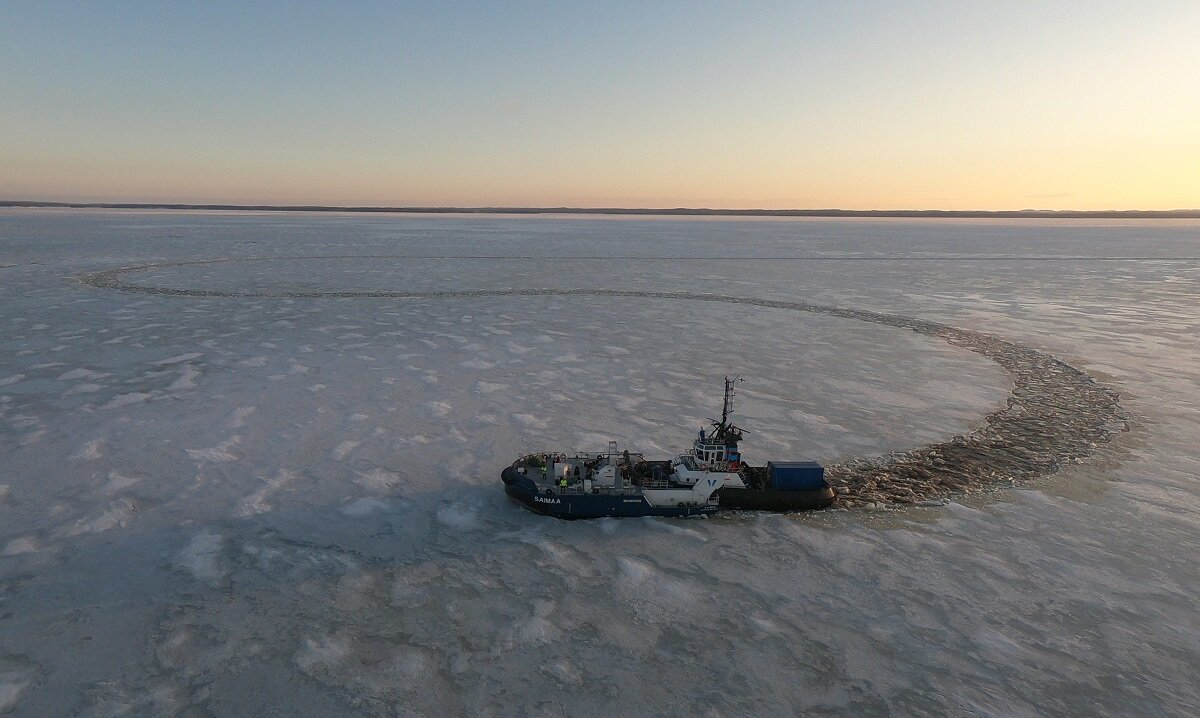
<point x="240" y="500"/>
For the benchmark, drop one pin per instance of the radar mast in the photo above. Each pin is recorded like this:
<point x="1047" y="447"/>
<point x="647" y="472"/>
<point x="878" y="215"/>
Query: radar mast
<point x="723" y="430"/>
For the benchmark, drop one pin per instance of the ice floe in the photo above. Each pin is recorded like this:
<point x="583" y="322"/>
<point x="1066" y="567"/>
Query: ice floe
<point x="202" y="557"/>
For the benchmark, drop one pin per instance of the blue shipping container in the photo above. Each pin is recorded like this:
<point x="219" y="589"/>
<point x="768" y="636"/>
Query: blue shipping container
<point x="796" y="475"/>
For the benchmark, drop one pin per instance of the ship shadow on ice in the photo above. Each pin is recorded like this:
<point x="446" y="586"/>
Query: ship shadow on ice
<point x="365" y="600"/>
<point x="457" y="521"/>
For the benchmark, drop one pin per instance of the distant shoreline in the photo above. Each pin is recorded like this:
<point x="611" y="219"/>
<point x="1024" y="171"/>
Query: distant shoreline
<point x="677" y="211"/>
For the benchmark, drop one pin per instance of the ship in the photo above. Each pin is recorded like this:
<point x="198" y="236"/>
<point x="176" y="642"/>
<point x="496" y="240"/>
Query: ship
<point x="708" y="477"/>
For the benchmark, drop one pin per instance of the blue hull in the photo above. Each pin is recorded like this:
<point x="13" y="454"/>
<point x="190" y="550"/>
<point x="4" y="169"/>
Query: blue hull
<point x="588" y="506"/>
<point x="776" y="500"/>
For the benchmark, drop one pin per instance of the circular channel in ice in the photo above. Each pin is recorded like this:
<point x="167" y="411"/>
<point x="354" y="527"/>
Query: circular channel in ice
<point x="1056" y="413"/>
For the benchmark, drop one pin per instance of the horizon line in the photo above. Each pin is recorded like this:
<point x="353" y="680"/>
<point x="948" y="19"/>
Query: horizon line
<point x="666" y="211"/>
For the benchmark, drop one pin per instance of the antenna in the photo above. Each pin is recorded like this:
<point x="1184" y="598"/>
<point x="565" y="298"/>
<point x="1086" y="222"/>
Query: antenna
<point x="727" y="407"/>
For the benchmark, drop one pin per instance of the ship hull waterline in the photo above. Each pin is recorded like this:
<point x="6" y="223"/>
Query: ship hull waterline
<point x="776" y="500"/>
<point x="584" y="506"/>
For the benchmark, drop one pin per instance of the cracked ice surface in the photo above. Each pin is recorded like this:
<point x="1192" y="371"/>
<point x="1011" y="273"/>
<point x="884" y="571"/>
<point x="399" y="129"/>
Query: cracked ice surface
<point x="238" y="506"/>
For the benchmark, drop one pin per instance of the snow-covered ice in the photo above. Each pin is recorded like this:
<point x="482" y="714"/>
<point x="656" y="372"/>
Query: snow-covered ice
<point x="254" y="505"/>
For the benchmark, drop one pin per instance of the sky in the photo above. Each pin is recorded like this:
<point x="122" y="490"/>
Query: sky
<point x="962" y="104"/>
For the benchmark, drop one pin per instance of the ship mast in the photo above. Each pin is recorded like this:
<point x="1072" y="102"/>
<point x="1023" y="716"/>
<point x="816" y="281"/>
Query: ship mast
<point x="724" y="430"/>
<point x="727" y="407"/>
